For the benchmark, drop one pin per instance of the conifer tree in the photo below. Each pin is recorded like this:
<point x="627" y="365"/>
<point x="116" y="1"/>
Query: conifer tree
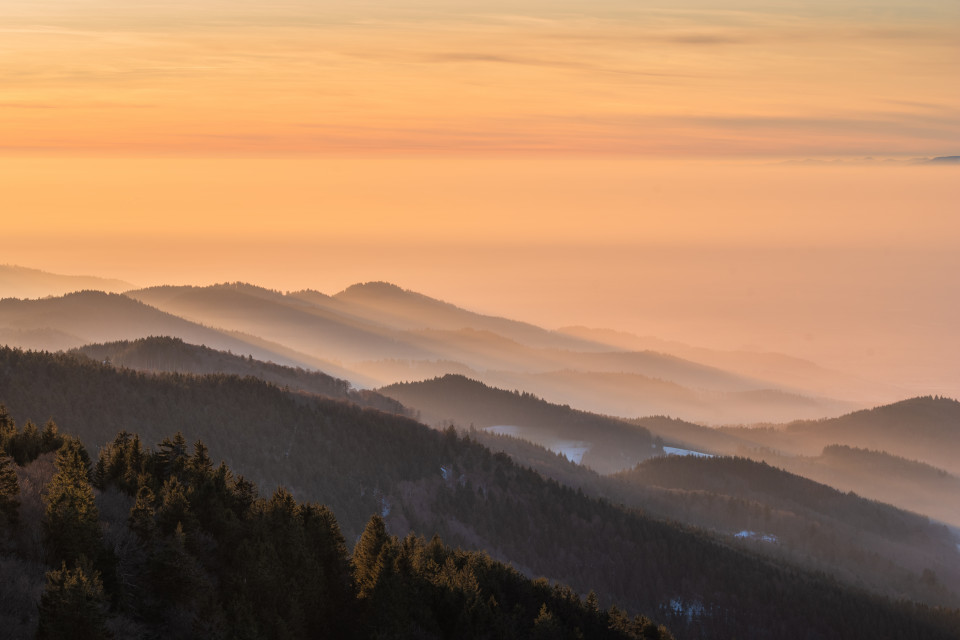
<point x="9" y="494"/>
<point x="50" y="438"/>
<point x="73" y="604"/>
<point x="174" y="507"/>
<point x="547" y="627"/>
<point x="141" y="518"/>
<point x="200" y="463"/>
<point x="368" y="560"/>
<point x="8" y="428"/>
<point x="71" y="525"/>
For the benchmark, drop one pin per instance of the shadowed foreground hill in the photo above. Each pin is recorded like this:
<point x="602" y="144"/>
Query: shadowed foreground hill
<point x="361" y="462"/>
<point x="173" y="546"/>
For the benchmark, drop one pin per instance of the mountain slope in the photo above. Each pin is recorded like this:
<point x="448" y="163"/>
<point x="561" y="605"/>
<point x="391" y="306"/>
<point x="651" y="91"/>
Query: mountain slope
<point x="627" y="394"/>
<point x="22" y="282"/>
<point x="926" y="429"/>
<point x="877" y="475"/>
<point x="388" y="334"/>
<point x="794" y="517"/>
<point x="610" y="444"/>
<point x="360" y="462"/>
<point x="783" y="516"/>
<point x="301" y="324"/>
<point x="173" y="355"/>
<point x="86" y="317"/>
<point x="409" y="310"/>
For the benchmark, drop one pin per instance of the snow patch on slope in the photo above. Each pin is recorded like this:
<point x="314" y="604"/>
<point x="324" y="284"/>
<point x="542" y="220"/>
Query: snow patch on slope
<point x="675" y="451"/>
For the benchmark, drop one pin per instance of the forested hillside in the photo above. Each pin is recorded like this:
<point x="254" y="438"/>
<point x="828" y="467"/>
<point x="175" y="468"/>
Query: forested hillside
<point x="162" y="543"/>
<point x="362" y="462"/>
<point x="777" y="514"/>
<point x="925" y="428"/>
<point x="895" y="552"/>
<point x="173" y="355"/>
<point x="881" y="476"/>
<point x="612" y="444"/>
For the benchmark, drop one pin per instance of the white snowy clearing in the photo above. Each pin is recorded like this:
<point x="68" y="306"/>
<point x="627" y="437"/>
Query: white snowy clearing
<point x="689" y="609"/>
<point x="674" y="451"/>
<point x="753" y="535"/>
<point x="572" y="450"/>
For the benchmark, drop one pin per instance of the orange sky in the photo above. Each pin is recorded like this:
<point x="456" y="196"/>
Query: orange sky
<point x="211" y="77"/>
<point x="608" y="163"/>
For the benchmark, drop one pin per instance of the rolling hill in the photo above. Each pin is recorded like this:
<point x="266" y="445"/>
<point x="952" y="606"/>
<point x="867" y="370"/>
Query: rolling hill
<point x="609" y="444"/>
<point x="299" y="324"/>
<point x="877" y="475"/>
<point x="21" y="282"/>
<point x="383" y="333"/>
<point x="926" y="429"/>
<point x="173" y="355"/>
<point x="86" y="317"/>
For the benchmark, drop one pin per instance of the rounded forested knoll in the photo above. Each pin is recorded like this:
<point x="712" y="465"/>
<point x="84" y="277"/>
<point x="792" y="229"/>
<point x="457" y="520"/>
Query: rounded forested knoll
<point x="925" y="428"/>
<point x="163" y="354"/>
<point x="614" y="444"/>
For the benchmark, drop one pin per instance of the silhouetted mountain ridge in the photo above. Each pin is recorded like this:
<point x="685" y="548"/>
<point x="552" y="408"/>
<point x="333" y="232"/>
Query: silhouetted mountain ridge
<point x="924" y="428"/>
<point x="173" y="355"/>
<point x="23" y="282"/>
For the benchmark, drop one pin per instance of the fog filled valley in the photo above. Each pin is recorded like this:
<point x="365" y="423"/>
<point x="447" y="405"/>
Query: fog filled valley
<point x="394" y="465"/>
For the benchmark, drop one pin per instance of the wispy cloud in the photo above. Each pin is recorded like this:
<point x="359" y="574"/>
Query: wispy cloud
<point x="607" y="77"/>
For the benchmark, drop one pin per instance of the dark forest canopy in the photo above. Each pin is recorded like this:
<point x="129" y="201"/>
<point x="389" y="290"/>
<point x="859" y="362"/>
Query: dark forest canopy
<point x="614" y="444"/>
<point x="158" y="354"/>
<point x="361" y="462"/>
<point x="186" y="549"/>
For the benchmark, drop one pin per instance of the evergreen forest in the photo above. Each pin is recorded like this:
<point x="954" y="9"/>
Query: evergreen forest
<point x="163" y="532"/>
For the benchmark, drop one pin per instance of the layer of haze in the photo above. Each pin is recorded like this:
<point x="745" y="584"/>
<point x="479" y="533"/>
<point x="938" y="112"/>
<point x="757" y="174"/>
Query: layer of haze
<point x="852" y="266"/>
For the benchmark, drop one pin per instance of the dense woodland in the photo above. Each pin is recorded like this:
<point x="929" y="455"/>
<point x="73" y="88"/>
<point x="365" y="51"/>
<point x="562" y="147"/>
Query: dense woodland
<point x="162" y="543"/>
<point x="858" y="541"/>
<point x="881" y="476"/>
<point x="895" y="552"/>
<point x="173" y="355"/>
<point x="456" y="399"/>
<point x="360" y="462"/>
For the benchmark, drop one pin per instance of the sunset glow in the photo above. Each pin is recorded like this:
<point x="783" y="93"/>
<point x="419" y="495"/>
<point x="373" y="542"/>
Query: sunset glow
<point x="292" y="78"/>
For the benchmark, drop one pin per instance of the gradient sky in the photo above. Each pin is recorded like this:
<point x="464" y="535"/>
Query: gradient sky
<point x="635" y="165"/>
<point x="280" y="78"/>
